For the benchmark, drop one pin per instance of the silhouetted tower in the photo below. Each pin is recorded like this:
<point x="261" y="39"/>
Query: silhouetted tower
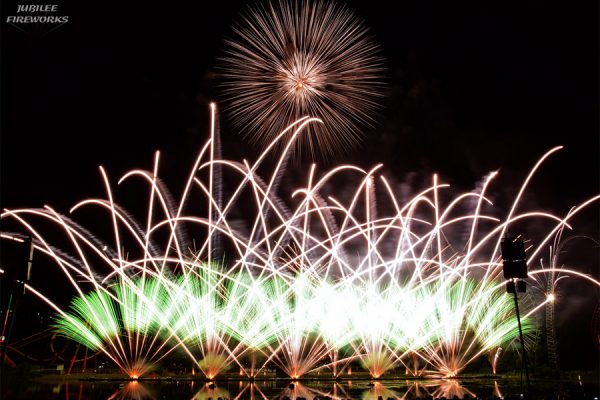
<point x="595" y="325"/>
<point x="550" y="330"/>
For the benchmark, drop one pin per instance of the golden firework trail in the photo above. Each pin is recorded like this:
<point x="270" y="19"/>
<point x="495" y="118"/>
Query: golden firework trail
<point x="313" y="282"/>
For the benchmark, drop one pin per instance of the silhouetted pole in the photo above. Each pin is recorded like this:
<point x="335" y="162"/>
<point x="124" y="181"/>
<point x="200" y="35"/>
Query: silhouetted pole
<point x="18" y="289"/>
<point x="515" y="270"/>
<point x="524" y="359"/>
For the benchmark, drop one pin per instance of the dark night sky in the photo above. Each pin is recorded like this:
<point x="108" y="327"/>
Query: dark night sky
<point x="473" y="87"/>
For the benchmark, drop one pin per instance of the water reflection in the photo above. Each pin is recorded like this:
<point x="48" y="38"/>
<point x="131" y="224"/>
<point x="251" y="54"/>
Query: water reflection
<point x="210" y="391"/>
<point x="295" y="390"/>
<point x="282" y="390"/>
<point x="497" y="392"/>
<point x="379" y="391"/>
<point x="450" y="388"/>
<point x="133" y="390"/>
<point x="285" y="390"/>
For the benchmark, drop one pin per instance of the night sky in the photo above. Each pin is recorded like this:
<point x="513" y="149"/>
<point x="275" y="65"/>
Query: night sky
<point x="472" y="88"/>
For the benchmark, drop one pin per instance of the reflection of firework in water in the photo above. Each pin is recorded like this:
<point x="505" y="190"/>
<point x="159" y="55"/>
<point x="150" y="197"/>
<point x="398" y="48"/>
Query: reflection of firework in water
<point x="328" y="281"/>
<point x="379" y="391"/>
<point x="133" y="391"/>
<point x="290" y="59"/>
<point x="449" y="388"/>
<point x="211" y="391"/>
<point x="261" y="391"/>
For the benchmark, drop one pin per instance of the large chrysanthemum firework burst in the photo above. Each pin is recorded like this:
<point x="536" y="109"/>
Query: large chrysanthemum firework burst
<point x="289" y="59"/>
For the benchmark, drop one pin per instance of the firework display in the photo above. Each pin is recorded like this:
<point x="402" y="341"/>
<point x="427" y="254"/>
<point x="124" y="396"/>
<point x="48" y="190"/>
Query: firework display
<point x="312" y="282"/>
<point x="288" y="59"/>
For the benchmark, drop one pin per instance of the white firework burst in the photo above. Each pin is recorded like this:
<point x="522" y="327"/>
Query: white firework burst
<point x="290" y="59"/>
